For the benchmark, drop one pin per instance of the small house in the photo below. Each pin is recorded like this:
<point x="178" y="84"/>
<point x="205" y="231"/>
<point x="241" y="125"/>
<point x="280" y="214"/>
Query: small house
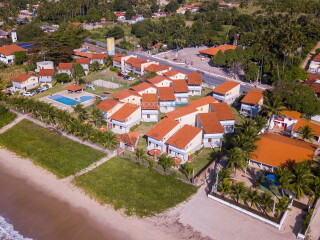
<point x="227" y="92"/>
<point x="109" y="106"/>
<point x="65" y="68"/>
<point x="46" y="77"/>
<point x="85" y="63"/>
<point x="149" y="107"/>
<point x="251" y="104"/>
<point x="160" y="81"/>
<point x="194" y="83"/>
<point x="25" y="82"/>
<point x="128" y="96"/>
<point x="167" y="99"/>
<point x="181" y="91"/>
<point x="128" y="141"/>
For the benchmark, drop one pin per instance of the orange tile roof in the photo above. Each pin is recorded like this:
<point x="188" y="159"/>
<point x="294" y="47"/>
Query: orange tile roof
<point x="46" y="72"/>
<point x="74" y="88"/>
<point x="162" y="128"/>
<point x="202" y="101"/>
<point x="143" y="86"/>
<point x="180" y="112"/>
<point x="291" y="114"/>
<point x="133" y="60"/>
<point x="83" y="60"/>
<point x="130" y="138"/>
<point x="149" y="101"/>
<point x="180" y="86"/>
<point x="194" y="78"/>
<point x="158" y="79"/>
<point x="76" y="23"/>
<point x="172" y="73"/>
<point x="65" y="66"/>
<point x="157" y="68"/>
<point x="22" y="77"/>
<point x="124" y="94"/>
<point x="312" y="82"/>
<point x="166" y="94"/>
<point x="82" y="54"/>
<point x="254" y="96"/>
<point x="225" y="87"/>
<point x="317" y="58"/>
<point x="99" y="56"/>
<point x="107" y="104"/>
<point x="118" y="56"/>
<point x="184" y="136"/>
<point x="223" y="111"/>
<point x="10" y="49"/>
<point x="275" y="150"/>
<point x="124" y="112"/>
<point x="210" y="123"/>
<point x="302" y="122"/>
<point x="214" y="50"/>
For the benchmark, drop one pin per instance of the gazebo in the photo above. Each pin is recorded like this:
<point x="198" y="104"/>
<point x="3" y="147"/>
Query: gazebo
<point x="74" y="88"/>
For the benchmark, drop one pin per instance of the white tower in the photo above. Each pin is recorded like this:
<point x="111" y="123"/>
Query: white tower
<point x="14" y="37"/>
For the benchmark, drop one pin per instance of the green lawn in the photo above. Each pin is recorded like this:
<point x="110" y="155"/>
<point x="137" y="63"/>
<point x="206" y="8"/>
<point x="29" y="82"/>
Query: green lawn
<point x="145" y="127"/>
<point x="204" y="93"/>
<point x="239" y="117"/>
<point x="142" y="143"/>
<point x="46" y="148"/>
<point x="136" y="189"/>
<point x="202" y="160"/>
<point x="57" y="88"/>
<point x="6" y="116"/>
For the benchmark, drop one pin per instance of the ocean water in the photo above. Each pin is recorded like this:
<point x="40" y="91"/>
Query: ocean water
<point x="7" y="231"/>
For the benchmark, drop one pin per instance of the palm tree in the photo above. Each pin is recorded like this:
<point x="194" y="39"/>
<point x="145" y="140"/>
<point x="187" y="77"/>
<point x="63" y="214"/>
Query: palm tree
<point x="252" y="197"/>
<point x="237" y="159"/>
<point x="225" y="175"/>
<point x="238" y="191"/>
<point x="285" y="178"/>
<point x="140" y="153"/>
<point x="166" y="161"/>
<point x="108" y="140"/>
<point x="261" y="122"/>
<point x="306" y="132"/>
<point x="272" y="106"/>
<point x="302" y="179"/>
<point x="282" y="206"/>
<point x="266" y="202"/>
<point x="108" y="61"/>
<point x="81" y="112"/>
<point x="187" y="169"/>
<point x="224" y="188"/>
<point x="97" y="117"/>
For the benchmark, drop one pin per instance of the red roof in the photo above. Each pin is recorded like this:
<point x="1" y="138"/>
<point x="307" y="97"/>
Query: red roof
<point x="202" y="101"/>
<point x="291" y="114"/>
<point x="210" y="123"/>
<point x="314" y="82"/>
<point x="82" y="54"/>
<point x="302" y="122"/>
<point x="184" y="136"/>
<point x="99" y="56"/>
<point x="130" y="138"/>
<point x="22" y="77"/>
<point x="214" y="50"/>
<point x="46" y="73"/>
<point x="157" y="68"/>
<point x="143" y="86"/>
<point x="194" y="78"/>
<point x="74" y="88"/>
<point x="65" y="66"/>
<point x="83" y="60"/>
<point x="172" y="73"/>
<point x="158" y="79"/>
<point x="223" y="111"/>
<point x="124" y="94"/>
<point x="10" y="49"/>
<point x="254" y="96"/>
<point x="181" y="112"/>
<point x="225" y="87"/>
<point x="180" y="86"/>
<point x="124" y="112"/>
<point x="118" y="56"/>
<point x="162" y="128"/>
<point x="133" y="60"/>
<point x="166" y="94"/>
<point x="149" y="101"/>
<point x="107" y="104"/>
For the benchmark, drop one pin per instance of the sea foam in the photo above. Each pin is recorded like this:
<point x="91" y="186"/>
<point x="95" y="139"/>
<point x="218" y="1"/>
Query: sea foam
<point x="7" y="231"/>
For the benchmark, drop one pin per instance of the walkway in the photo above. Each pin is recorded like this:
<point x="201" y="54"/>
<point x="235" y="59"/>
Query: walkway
<point x="315" y="223"/>
<point x="16" y="121"/>
<point x="310" y="55"/>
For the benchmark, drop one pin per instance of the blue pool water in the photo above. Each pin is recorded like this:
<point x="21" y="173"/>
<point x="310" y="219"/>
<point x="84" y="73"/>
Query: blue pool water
<point x="272" y="180"/>
<point x="69" y="101"/>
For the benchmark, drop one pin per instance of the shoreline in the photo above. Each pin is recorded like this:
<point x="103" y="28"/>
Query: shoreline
<point x="104" y="216"/>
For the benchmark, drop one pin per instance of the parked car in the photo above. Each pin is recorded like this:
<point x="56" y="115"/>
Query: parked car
<point x="120" y="75"/>
<point x="29" y="94"/>
<point x="42" y="89"/>
<point x="124" y="73"/>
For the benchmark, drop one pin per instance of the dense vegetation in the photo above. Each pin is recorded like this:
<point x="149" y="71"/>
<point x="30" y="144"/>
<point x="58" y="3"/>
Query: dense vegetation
<point x="6" y="116"/>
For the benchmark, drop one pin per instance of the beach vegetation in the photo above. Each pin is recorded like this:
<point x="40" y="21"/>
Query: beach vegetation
<point x="6" y="116"/>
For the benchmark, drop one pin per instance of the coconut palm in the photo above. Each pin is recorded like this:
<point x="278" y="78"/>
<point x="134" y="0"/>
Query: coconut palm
<point x="272" y="106"/>
<point x="266" y="202"/>
<point x="252" y="197"/>
<point x="302" y="179"/>
<point x="140" y="153"/>
<point x="81" y="112"/>
<point x="238" y="191"/>
<point x="237" y="159"/>
<point x="187" y="169"/>
<point x="306" y="132"/>
<point x="285" y="178"/>
<point x="225" y="175"/>
<point x="166" y="161"/>
<point x="282" y="206"/>
<point x="225" y="187"/>
<point x="96" y="117"/>
<point x="261" y="122"/>
<point x="109" y="140"/>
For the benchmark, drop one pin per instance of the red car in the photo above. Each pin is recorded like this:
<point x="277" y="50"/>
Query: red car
<point x="120" y="75"/>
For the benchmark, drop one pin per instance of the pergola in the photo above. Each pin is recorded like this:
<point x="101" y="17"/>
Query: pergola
<point x="74" y="88"/>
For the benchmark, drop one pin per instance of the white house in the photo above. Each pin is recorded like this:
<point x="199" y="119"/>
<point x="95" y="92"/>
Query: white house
<point x="212" y="129"/>
<point x="184" y="142"/>
<point x="128" y="140"/>
<point x="314" y="66"/>
<point x="44" y="65"/>
<point x="119" y="60"/>
<point x="285" y="121"/>
<point x="46" y="77"/>
<point x="251" y="103"/>
<point x="202" y="104"/>
<point x="126" y="117"/>
<point x="167" y="100"/>
<point x="85" y="63"/>
<point x="149" y="107"/>
<point x="227" y="92"/>
<point x="98" y="57"/>
<point x="194" y="83"/>
<point x="65" y="68"/>
<point x="158" y="69"/>
<point x="160" y="133"/>
<point x="145" y="88"/>
<point x="224" y="115"/>
<point x="128" y="96"/>
<point x="7" y="53"/>
<point x="160" y="81"/>
<point x="181" y="91"/>
<point x="133" y="64"/>
<point x="315" y="128"/>
<point x="185" y="115"/>
<point x="175" y="74"/>
<point x="25" y="82"/>
<point x="109" y="107"/>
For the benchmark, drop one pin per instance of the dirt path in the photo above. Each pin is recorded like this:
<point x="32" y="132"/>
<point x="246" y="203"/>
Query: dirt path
<point x="310" y="55"/>
<point x="315" y="223"/>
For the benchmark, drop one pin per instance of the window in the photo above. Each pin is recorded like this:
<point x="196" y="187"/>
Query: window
<point x="209" y="139"/>
<point x="148" y="115"/>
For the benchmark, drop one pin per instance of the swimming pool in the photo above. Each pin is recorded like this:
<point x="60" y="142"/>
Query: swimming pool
<point x="69" y="101"/>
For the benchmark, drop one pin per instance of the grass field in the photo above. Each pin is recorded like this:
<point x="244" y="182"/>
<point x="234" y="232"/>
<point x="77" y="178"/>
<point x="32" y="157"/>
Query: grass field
<point x="204" y="93"/>
<point x="202" y="160"/>
<point x="46" y="148"/>
<point x="6" y="116"/>
<point x="136" y="189"/>
<point x="11" y="72"/>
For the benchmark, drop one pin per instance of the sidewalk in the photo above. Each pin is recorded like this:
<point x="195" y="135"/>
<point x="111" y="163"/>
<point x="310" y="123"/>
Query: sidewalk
<point x="16" y="121"/>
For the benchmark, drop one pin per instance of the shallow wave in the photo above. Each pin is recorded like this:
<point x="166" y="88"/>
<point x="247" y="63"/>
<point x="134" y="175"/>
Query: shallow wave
<point x="7" y="231"/>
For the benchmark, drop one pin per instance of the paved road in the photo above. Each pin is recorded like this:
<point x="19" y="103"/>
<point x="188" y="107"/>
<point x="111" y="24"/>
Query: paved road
<point x="213" y="80"/>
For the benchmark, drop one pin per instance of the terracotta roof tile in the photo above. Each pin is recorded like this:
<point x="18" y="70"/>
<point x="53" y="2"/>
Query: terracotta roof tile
<point x="124" y="112"/>
<point x="254" y="96"/>
<point x="124" y="94"/>
<point x="202" y="101"/>
<point x="118" y="56"/>
<point x="158" y="79"/>
<point x="184" y="136"/>
<point x="99" y="56"/>
<point x="162" y="128"/>
<point x="180" y="86"/>
<point x="65" y="66"/>
<point x="166" y="94"/>
<point x="194" y="78"/>
<point x="223" y="111"/>
<point x="149" y="101"/>
<point x="143" y="86"/>
<point x="133" y="60"/>
<point x="210" y="123"/>
<point x="107" y="104"/>
<point x="172" y="73"/>
<point x="314" y="82"/>
<point x="22" y="77"/>
<point x="82" y="54"/>
<point x="225" y="87"/>
<point x="83" y="60"/>
<point x="291" y="114"/>
<point x="275" y="150"/>
<point x="46" y="72"/>
<point x="10" y="49"/>
<point x="302" y="122"/>
<point x="157" y="68"/>
<point x="180" y="112"/>
<point x="214" y="50"/>
<point x="74" y="87"/>
<point x="130" y="138"/>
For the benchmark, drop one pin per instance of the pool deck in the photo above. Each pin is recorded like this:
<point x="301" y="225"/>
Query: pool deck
<point x="73" y="96"/>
